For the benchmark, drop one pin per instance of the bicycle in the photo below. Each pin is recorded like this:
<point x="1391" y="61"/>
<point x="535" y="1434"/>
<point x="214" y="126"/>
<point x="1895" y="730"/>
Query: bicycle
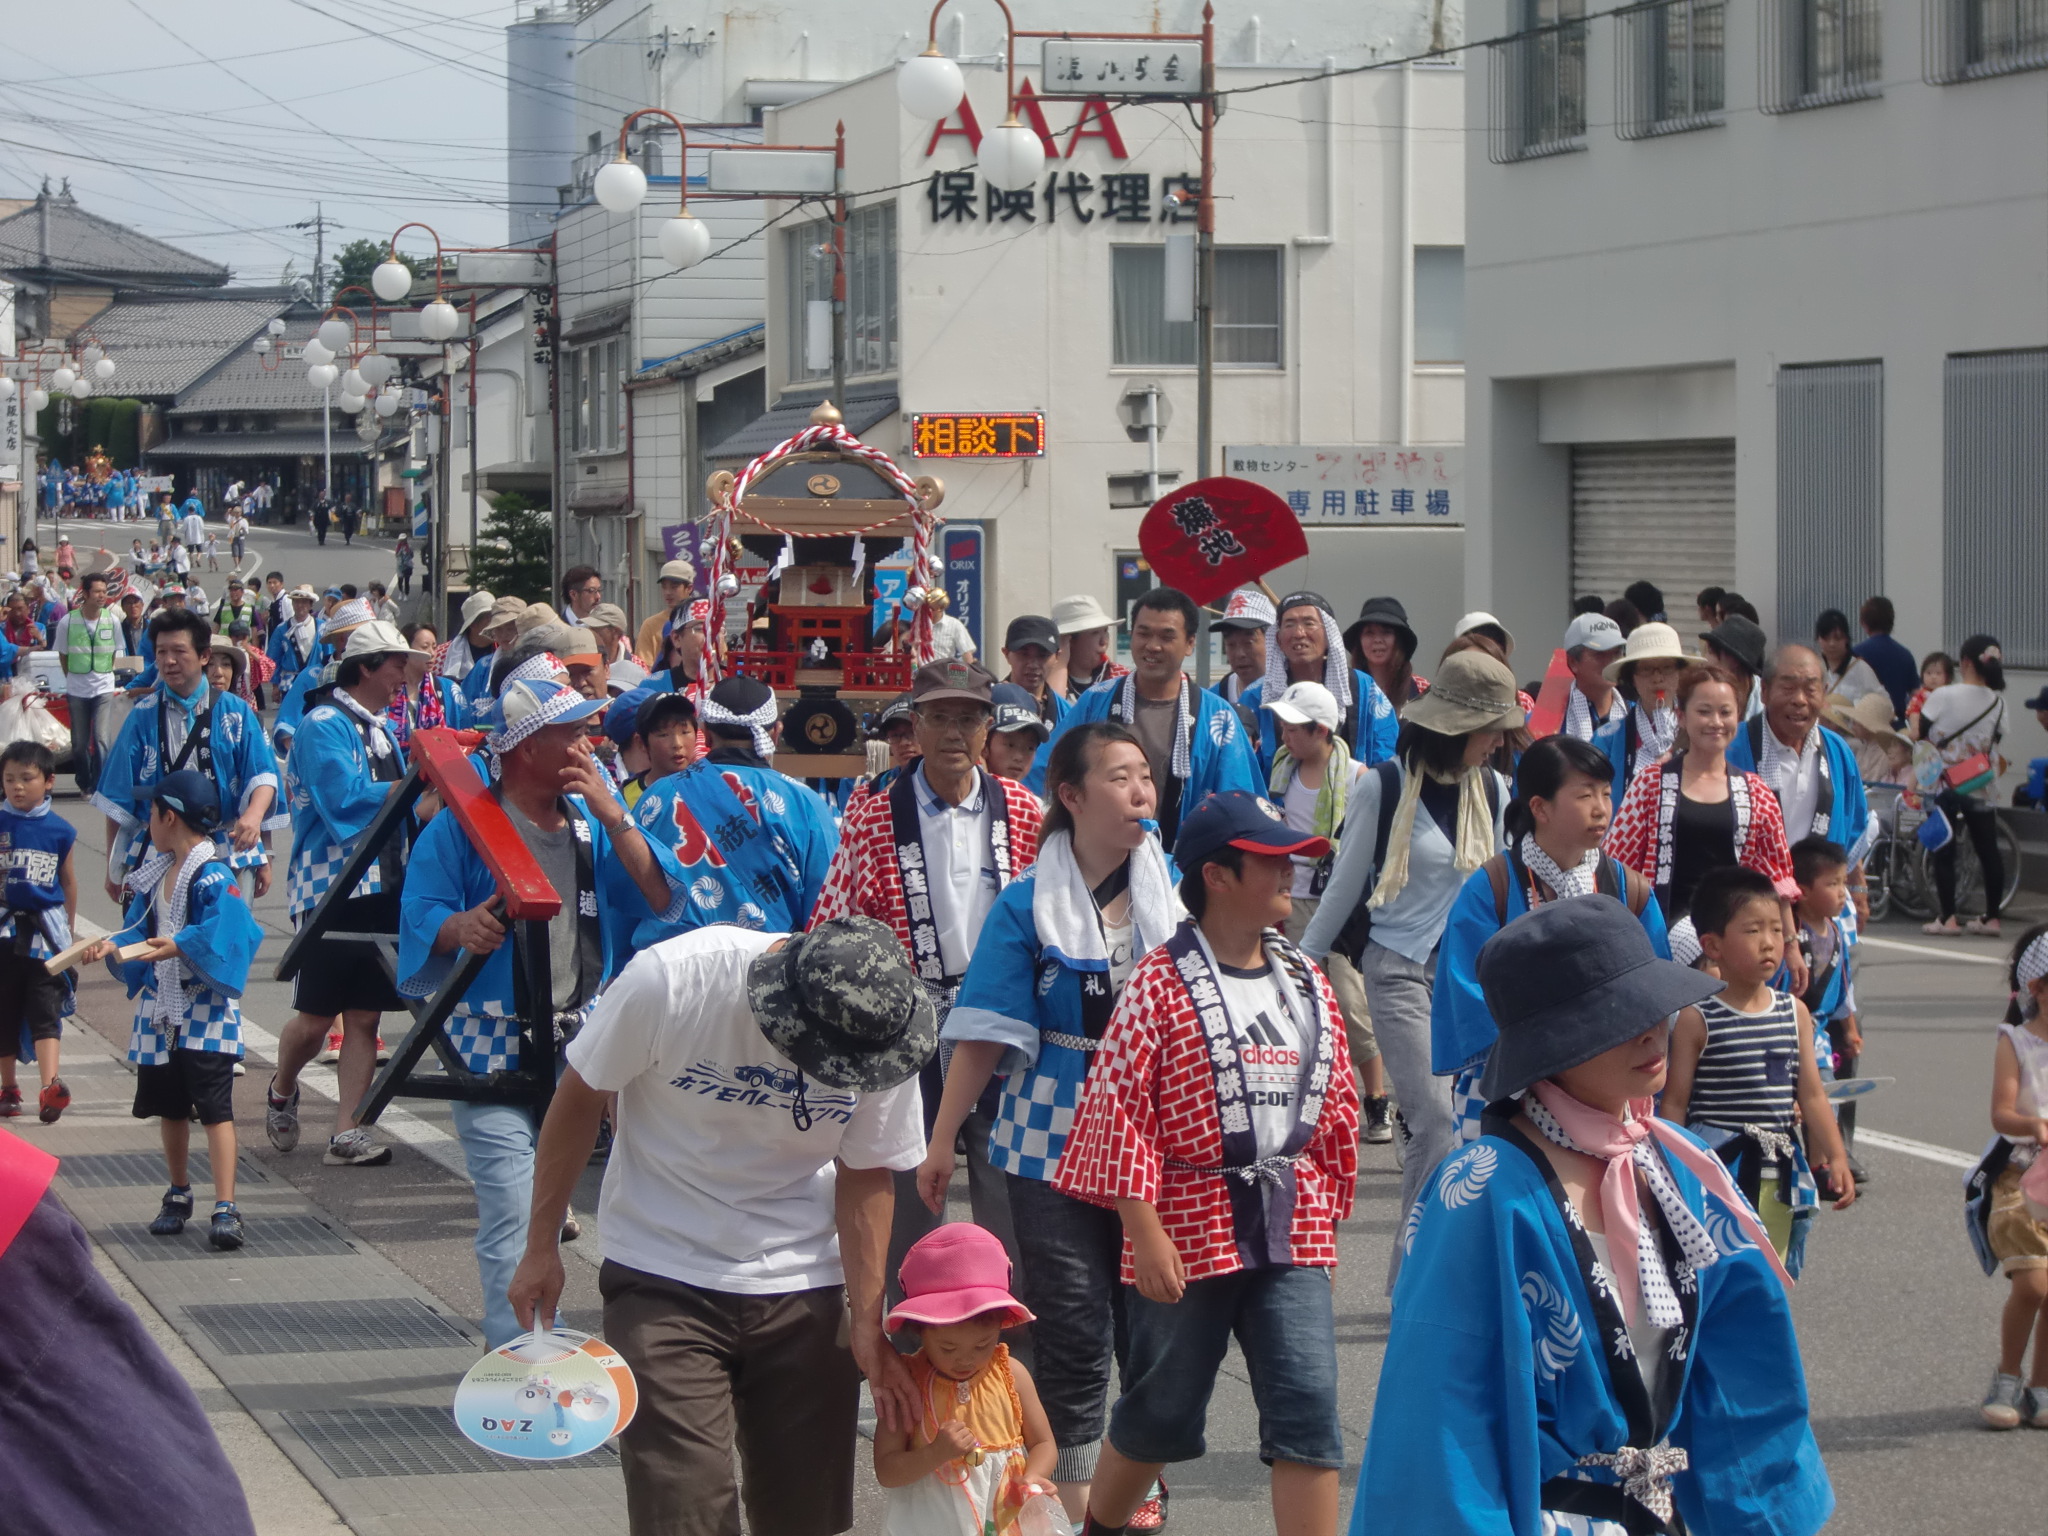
<point x="1899" y="870"/>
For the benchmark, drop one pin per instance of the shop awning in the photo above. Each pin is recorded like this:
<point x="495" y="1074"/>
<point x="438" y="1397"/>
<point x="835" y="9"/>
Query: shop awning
<point x="792" y="413"/>
<point x="255" y="445"/>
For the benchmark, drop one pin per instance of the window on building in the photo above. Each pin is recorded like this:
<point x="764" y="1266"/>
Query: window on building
<point x="1249" y="300"/>
<point x="1439" y="304"/>
<point x="871" y="342"/>
<point x="1974" y="39"/>
<point x="576" y="398"/>
<point x="615" y="376"/>
<point x="1673" y="67"/>
<point x="1830" y="489"/>
<point x="1819" y="52"/>
<point x="1995" y="500"/>
<point x="1537" y="83"/>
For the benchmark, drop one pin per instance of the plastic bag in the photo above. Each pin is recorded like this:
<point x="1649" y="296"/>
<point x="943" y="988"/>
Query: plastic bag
<point x="25" y="716"/>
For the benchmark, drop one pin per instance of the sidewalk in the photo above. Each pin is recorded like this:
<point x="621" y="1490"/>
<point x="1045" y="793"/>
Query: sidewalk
<point x="309" y="1335"/>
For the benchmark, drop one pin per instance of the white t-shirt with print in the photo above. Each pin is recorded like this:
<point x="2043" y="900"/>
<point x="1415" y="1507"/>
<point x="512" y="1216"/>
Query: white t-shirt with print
<point x="710" y="1182"/>
<point x="1271" y="1026"/>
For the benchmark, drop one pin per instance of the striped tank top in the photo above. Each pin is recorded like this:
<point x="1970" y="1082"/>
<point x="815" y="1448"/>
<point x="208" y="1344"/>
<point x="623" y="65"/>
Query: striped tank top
<point x="1749" y="1072"/>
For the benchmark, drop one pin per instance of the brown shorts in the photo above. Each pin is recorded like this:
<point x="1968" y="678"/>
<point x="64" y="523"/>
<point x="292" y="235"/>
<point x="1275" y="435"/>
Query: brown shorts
<point x="770" y="1374"/>
<point x="2019" y="1238"/>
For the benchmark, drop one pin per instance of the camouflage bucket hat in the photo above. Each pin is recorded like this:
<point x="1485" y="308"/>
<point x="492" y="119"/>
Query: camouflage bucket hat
<point x="842" y="1003"/>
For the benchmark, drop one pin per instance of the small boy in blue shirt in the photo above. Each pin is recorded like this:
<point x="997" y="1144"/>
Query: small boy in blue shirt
<point x="198" y="936"/>
<point x="41" y="902"/>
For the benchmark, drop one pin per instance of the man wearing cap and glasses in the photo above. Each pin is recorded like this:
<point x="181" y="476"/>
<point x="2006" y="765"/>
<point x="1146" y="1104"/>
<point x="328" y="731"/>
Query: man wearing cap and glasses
<point x="184" y="723"/>
<point x="1029" y="646"/>
<point x="344" y="763"/>
<point x="1192" y="739"/>
<point x="928" y="858"/>
<point x="1243" y="625"/>
<point x="677" y="581"/>
<point x="1306" y="646"/>
<point x="767" y="1097"/>
<point x="1592" y="643"/>
<point x="606" y="874"/>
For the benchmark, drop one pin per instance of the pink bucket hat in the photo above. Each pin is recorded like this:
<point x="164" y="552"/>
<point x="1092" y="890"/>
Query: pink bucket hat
<point x="954" y="1273"/>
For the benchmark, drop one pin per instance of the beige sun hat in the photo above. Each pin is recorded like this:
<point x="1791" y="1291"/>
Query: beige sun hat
<point x="474" y="607"/>
<point x="1650" y="642"/>
<point x="1079" y="614"/>
<point x="1872" y="714"/>
<point x="1470" y="692"/>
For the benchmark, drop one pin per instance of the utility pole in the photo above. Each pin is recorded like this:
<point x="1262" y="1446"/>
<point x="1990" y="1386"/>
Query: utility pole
<point x="1205" y="299"/>
<point x="839" y="269"/>
<point x="319" y="224"/>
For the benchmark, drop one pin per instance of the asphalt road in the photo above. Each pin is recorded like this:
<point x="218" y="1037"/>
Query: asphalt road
<point x="1897" y="1325"/>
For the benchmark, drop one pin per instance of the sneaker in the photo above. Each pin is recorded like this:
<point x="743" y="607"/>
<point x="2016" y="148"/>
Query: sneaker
<point x="176" y="1211"/>
<point x="53" y="1101"/>
<point x="2002" y="1403"/>
<point x="2035" y="1408"/>
<point x="281" y="1118"/>
<point x="241" y="1069"/>
<point x="571" y="1228"/>
<point x="1150" y="1515"/>
<point x="355" y="1149"/>
<point x="10" y="1103"/>
<point x="226" y="1231"/>
<point x="1378" y="1121"/>
<point x="331" y="1051"/>
<point x="383" y="1051"/>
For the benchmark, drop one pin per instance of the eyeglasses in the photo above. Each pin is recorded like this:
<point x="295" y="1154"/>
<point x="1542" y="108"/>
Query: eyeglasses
<point x="953" y="724"/>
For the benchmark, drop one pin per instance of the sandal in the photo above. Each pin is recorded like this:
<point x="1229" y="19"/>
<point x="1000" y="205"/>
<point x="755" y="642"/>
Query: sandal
<point x="1984" y="925"/>
<point x="1152" y="1514"/>
<point x="174" y="1213"/>
<point x="1939" y="930"/>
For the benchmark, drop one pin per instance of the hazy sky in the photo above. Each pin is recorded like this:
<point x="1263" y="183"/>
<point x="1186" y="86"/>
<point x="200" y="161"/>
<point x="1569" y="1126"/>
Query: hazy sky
<point x="216" y="124"/>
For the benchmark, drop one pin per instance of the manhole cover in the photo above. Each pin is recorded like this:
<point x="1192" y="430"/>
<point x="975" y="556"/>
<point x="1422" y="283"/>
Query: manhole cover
<point x="410" y="1441"/>
<point x="115" y="1170"/>
<point x="322" y="1327"/>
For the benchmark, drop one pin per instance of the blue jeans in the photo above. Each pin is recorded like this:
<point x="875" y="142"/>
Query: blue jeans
<point x="1286" y="1326"/>
<point x="1069" y="1257"/>
<point x="497" y="1143"/>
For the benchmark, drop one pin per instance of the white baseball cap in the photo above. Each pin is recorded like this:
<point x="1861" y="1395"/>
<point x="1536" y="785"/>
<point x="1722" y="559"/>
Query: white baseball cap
<point x="1480" y="619"/>
<point x="1307" y="704"/>
<point x="1594" y="632"/>
<point x="376" y="638"/>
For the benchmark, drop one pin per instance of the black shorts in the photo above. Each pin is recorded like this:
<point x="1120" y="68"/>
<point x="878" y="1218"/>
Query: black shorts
<point x="31" y="996"/>
<point x="190" y="1080"/>
<point x="336" y="977"/>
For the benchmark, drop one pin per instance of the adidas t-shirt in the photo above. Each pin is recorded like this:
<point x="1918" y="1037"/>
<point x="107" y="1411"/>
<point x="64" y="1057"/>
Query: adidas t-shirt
<point x="1270" y="1023"/>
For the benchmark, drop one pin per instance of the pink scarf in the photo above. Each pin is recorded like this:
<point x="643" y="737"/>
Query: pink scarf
<point x="1624" y="1146"/>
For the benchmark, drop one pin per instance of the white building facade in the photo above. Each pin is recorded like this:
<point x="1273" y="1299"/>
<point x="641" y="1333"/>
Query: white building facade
<point x="1758" y="298"/>
<point x="1339" y="242"/>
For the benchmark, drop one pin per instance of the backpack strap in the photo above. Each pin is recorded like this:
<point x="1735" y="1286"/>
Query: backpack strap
<point x="1497" y="876"/>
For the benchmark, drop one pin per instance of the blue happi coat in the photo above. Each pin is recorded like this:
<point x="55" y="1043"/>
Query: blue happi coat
<point x="1374" y="723"/>
<point x="242" y="764"/>
<point x="1219" y="757"/>
<point x="446" y="875"/>
<point x="217" y="944"/>
<point x="1507" y="1362"/>
<point x="753" y="847"/>
<point x="333" y="794"/>
<point x="1845" y="804"/>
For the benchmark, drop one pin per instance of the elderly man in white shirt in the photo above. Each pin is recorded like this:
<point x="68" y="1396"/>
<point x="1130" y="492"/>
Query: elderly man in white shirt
<point x="1812" y="770"/>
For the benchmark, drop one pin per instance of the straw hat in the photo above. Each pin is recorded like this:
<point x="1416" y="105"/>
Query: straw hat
<point x="1649" y="642"/>
<point x="1871" y="714"/>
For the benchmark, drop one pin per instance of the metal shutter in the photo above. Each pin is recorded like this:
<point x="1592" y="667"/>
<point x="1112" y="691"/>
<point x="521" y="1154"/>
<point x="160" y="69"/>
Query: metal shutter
<point x="1830" y="490"/>
<point x="1658" y="512"/>
<point x="1995" y="500"/>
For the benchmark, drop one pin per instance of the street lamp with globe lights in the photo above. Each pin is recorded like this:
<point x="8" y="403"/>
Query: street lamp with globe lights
<point x="931" y="87"/>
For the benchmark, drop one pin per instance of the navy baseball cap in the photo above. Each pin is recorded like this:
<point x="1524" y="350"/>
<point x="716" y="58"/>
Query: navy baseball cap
<point x="193" y="796"/>
<point x="1016" y="710"/>
<point x="2039" y="700"/>
<point x="1234" y="819"/>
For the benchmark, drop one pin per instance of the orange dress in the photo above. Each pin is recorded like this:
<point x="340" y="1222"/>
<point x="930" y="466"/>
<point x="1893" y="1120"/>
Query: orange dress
<point x="968" y="1496"/>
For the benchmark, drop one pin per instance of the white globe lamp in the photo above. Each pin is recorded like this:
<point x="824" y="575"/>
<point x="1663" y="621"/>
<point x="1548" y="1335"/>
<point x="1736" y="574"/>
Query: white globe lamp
<point x="685" y="240"/>
<point x="103" y="368"/>
<point x="930" y="86"/>
<point x="275" y="327"/>
<point x="7" y="388"/>
<point x="352" y="403"/>
<point x="334" y="334"/>
<point x="376" y="367"/>
<point x="439" y="320"/>
<point x="262" y="346"/>
<point x="353" y="383"/>
<point x="38" y="399"/>
<point x="387" y="403"/>
<point x="322" y="375"/>
<point x="80" y="389"/>
<point x="391" y="280"/>
<point x="620" y="186"/>
<point x="316" y="353"/>
<point x="63" y="379"/>
<point x="93" y="352"/>
<point x="1012" y="156"/>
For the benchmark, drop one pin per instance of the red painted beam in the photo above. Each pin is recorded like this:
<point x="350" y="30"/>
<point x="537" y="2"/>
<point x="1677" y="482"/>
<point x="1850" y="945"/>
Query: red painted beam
<point x="443" y="756"/>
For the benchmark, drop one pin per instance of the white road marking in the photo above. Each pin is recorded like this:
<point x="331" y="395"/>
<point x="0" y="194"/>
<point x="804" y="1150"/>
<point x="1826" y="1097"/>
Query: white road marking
<point x="1928" y="949"/>
<point x="1926" y="1151"/>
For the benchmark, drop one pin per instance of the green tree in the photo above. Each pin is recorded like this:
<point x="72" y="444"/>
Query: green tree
<point x="354" y="262"/>
<point x="514" y="555"/>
